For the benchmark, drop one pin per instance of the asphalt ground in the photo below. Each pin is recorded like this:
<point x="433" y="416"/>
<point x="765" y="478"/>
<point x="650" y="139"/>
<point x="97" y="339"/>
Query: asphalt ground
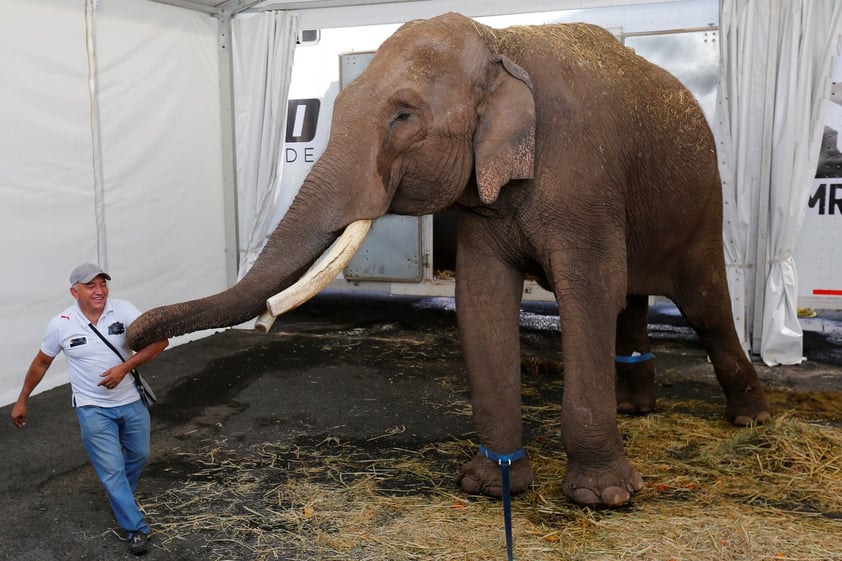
<point x="343" y="366"/>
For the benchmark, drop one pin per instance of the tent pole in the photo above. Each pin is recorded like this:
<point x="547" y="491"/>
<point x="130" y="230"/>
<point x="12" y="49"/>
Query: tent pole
<point x="229" y="152"/>
<point x="96" y="134"/>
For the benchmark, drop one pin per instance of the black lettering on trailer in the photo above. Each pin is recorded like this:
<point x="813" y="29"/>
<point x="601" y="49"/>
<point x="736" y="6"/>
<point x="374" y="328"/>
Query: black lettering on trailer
<point x="834" y="201"/>
<point x="828" y="198"/>
<point x="302" y="119"/>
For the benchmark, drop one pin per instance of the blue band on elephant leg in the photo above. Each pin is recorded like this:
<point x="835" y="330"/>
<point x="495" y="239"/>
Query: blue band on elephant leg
<point x="634" y="358"/>
<point x="501" y="459"/>
<point x="505" y="461"/>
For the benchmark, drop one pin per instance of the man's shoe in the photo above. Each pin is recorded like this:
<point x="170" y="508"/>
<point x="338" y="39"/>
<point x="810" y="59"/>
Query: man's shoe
<point x="138" y="543"/>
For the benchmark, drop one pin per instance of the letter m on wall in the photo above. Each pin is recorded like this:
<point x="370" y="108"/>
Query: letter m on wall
<point x="828" y="199"/>
<point x="302" y="119"/>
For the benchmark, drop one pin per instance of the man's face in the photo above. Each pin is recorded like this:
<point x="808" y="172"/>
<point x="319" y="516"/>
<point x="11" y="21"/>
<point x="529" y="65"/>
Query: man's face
<point x="91" y="295"/>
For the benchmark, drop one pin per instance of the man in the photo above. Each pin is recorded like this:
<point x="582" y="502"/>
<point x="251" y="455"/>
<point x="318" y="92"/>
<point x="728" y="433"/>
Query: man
<point x="113" y="420"/>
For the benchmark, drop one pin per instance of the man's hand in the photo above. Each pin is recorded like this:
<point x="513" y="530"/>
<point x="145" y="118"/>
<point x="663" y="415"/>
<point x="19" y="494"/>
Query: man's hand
<point x="113" y="376"/>
<point x="19" y="415"/>
<point x="36" y="372"/>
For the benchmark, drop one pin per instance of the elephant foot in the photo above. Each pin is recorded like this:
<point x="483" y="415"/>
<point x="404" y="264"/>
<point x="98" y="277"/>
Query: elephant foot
<point x="748" y="408"/>
<point x="613" y="486"/>
<point x="635" y="404"/>
<point x="481" y="476"/>
<point x="635" y="389"/>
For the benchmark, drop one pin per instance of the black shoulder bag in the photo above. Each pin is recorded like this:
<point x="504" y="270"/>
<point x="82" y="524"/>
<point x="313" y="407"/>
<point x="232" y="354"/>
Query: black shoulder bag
<point x="146" y="393"/>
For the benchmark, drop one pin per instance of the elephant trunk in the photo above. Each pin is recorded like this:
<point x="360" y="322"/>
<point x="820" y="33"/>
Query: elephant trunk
<point x="311" y="224"/>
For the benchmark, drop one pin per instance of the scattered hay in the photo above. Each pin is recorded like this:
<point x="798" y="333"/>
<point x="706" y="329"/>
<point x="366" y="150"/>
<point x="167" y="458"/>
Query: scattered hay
<point x="713" y="492"/>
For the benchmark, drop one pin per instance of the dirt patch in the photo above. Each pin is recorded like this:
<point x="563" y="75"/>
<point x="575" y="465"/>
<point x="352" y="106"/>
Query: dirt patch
<point x="338" y="436"/>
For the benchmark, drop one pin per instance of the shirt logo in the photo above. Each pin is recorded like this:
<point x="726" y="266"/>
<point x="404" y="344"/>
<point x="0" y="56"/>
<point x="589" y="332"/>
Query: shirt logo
<point x="78" y="341"/>
<point x="116" y="328"/>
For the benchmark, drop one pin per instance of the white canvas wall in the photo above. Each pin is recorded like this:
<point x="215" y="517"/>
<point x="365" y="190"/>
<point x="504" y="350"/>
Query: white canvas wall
<point x="161" y="162"/>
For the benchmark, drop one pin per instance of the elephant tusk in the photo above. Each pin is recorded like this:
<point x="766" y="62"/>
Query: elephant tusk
<point x="264" y="321"/>
<point x="320" y="274"/>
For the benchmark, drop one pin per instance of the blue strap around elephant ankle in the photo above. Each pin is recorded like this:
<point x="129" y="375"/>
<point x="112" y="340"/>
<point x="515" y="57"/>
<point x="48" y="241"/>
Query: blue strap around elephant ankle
<point x="505" y="461"/>
<point x="634" y="358"/>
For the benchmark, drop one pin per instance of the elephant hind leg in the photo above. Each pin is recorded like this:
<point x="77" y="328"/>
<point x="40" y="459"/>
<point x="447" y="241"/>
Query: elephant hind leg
<point x="706" y="305"/>
<point x="635" y="388"/>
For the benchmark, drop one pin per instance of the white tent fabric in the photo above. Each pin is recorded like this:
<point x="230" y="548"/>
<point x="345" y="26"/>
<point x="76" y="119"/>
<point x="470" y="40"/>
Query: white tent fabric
<point x="808" y="44"/>
<point x="158" y="100"/>
<point x="777" y="61"/>
<point x="264" y="45"/>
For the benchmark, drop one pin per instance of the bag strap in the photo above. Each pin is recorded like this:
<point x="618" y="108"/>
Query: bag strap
<point x="106" y="341"/>
<point x="135" y="373"/>
<point x="146" y="393"/>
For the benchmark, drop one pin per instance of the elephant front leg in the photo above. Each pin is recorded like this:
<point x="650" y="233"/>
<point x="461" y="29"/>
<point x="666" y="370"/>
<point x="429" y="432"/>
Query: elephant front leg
<point x="488" y="311"/>
<point x="598" y="472"/>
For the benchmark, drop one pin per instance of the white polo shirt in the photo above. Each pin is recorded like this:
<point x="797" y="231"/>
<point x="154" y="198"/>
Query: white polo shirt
<point x="88" y="356"/>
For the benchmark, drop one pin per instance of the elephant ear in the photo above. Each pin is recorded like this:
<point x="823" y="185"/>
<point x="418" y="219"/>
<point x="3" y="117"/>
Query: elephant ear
<point x="504" y="142"/>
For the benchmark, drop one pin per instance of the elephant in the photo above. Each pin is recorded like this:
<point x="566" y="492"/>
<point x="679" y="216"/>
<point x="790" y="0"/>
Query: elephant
<point x="567" y="158"/>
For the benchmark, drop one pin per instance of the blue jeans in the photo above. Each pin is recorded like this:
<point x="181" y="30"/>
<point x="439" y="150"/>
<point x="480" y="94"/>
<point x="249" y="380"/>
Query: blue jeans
<point x="117" y="441"/>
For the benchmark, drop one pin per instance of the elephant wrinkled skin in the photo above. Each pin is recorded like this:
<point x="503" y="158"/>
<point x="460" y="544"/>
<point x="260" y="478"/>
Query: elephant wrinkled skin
<point x="567" y="158"/>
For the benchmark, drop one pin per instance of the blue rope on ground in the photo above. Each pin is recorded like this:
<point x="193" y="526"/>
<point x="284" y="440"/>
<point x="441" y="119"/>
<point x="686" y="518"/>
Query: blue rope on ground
<point x="505" y="461"/>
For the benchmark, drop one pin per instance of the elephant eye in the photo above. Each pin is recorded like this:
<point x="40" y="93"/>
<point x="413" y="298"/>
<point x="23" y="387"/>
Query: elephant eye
<point x="402" y="115"/>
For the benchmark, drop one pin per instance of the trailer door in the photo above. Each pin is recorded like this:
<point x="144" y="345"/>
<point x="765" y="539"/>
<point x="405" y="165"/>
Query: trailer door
<point x="392" y="250"/>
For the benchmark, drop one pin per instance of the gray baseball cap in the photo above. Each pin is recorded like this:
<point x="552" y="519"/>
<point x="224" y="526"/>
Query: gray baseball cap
<point x="86" y="272"/>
